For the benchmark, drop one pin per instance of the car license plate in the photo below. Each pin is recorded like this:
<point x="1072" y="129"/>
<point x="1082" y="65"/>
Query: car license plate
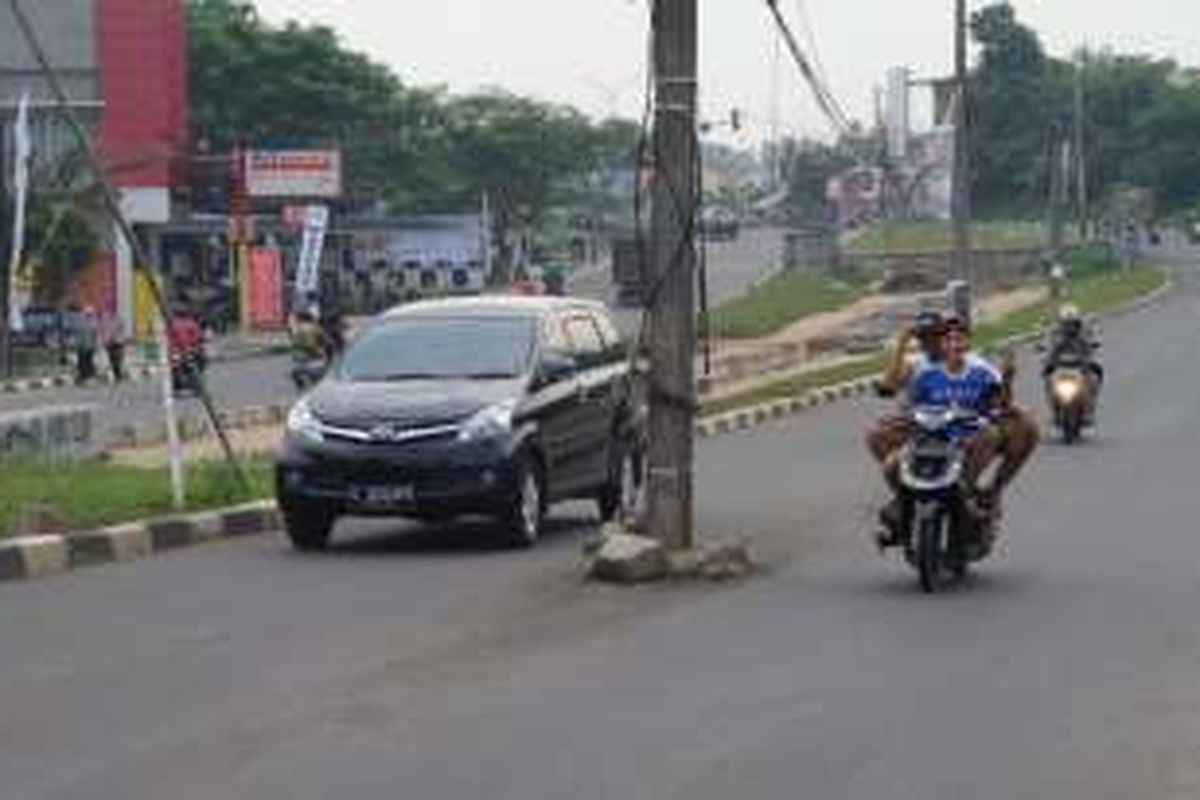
<point x="386" y="496"/>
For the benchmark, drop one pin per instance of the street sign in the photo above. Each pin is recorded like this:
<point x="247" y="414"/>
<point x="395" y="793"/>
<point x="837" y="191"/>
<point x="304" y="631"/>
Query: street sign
<point x="293" y="173"/>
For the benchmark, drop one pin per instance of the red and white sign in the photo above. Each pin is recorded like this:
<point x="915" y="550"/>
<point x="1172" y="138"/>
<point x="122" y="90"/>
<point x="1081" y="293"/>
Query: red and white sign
<point x="293" y="173"/>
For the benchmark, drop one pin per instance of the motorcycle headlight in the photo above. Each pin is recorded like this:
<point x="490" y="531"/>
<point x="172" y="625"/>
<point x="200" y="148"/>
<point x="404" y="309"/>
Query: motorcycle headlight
<point x="302" y="422"/>
<point x="1067" y="389"/>
<point x="491" y="423"/>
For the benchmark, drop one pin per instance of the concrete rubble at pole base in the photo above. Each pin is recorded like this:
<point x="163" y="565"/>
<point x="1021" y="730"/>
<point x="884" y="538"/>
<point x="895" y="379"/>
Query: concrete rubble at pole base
<point x="621" y="557"/>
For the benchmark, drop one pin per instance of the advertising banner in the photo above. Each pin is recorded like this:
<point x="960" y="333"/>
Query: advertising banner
<point x="20" y="270"/>
<point x="308" y="270"/>
<point x="293" y="173"/>
<point x="266" y="289"/>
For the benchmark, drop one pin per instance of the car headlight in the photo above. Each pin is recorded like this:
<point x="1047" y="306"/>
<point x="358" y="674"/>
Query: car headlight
<point x="491" y="423"/>
<point x="303" y="422"/>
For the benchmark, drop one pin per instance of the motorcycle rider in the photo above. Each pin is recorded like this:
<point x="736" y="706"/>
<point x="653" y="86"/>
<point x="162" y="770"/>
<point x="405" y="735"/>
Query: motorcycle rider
<point x="1073" y="342"/>
<point x="964" y="378"/>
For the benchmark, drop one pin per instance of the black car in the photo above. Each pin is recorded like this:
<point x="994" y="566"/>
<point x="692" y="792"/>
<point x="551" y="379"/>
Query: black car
<point x="497" y="406"/>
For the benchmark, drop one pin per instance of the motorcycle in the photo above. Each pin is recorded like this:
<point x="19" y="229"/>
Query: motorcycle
<point x="942" y="534"/>
<point x="187" y="371"/>
<point x="307" y="371"/>
<point x="1070" y="399"/>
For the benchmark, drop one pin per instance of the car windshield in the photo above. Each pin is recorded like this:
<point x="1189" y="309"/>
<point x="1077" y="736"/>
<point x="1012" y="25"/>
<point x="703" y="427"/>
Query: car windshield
<point x="418" y="348"/>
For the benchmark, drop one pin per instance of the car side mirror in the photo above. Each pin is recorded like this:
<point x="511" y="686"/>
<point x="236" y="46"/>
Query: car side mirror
<point x="555" y="366"/>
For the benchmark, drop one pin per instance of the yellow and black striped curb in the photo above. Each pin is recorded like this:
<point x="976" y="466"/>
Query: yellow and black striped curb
<point x="62" y="381"/>
<point x="754" y="416"/>
<point x="31" y="557"/>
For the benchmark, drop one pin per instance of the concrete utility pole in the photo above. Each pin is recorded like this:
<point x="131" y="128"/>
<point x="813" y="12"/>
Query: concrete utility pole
<point x="672" y="296"/>
<point x="1080" y="151"/>
<point x="961" y="200"/>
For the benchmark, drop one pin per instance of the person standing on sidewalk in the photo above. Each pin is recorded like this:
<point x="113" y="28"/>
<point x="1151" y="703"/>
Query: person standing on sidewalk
<point x="113" y="338"/>
<point x="86" y="335"/>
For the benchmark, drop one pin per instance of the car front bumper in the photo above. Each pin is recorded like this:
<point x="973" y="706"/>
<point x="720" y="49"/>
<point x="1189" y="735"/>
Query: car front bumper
<point x="416" y="479"/>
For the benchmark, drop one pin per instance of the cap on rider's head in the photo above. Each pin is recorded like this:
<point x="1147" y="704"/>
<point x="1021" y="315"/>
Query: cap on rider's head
<point x="928" y="321"/>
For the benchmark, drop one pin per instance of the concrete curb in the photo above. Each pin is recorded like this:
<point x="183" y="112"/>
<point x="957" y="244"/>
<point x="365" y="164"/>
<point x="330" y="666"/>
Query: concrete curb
<point x="136" y="375"/>
<point x="130" y="437"/>
<point x="32" y="557"/>
<point x="753" y="416"/>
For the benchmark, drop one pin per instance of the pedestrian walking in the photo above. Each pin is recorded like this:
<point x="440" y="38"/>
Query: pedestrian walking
<point x="112" y="335"/>
<point x="86" y="336"/>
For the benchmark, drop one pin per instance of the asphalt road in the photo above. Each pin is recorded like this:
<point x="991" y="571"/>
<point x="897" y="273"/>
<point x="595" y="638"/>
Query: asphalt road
<point x="733" y="266"/>
<point x="427" y="665"/>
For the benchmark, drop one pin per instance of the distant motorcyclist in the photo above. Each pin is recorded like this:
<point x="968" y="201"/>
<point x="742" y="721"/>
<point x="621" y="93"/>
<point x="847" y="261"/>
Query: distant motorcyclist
<point x="185" y="340"/>
<point x="308" y="338"/>
<point x="1073" y="341"/>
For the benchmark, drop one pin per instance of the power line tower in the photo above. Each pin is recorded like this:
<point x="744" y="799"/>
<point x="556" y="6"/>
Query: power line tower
<point x="672" y="301"/>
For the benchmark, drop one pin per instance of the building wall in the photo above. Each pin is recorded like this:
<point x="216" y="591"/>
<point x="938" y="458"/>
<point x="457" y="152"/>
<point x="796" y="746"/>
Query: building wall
<point x="142" y="47"/>
<point x="66" y="31"/>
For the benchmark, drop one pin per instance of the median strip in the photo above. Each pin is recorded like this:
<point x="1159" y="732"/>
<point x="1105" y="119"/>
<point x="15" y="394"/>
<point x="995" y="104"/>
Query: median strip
<point x="30" y="557"/>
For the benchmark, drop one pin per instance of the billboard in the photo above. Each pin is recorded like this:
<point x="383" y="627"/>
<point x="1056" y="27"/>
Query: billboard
<point x="293" y="173"/>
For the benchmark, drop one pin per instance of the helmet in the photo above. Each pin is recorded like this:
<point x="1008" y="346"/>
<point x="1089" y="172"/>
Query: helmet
<point x="928" y="322"/>
<point x="957" y="322"/>
<point x="1070" y="320"/>
<point x="1069" y="313"/>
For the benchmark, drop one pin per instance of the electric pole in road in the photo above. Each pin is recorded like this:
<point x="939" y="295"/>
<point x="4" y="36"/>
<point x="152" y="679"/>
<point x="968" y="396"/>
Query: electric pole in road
<point x="1080" y="150"/>
<point x="672" y="332"/>
<point x="961" y="193"/>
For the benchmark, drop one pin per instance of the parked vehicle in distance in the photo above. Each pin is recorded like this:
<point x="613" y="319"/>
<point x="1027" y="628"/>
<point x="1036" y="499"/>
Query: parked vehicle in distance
<point x="496" y="405"/>
<point x="719" y="224"/>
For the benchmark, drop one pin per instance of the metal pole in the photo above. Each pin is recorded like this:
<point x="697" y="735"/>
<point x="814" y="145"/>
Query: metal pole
<point x="961" y="203"/>
<point x="112" y="205"/>
<point x="672" y="301"/>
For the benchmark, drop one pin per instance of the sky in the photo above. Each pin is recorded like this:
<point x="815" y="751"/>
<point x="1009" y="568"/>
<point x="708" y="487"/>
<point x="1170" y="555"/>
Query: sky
<point x="591" y="53"/>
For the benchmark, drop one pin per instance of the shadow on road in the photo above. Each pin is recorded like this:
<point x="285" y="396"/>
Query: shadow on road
<point x="467" y="536"/>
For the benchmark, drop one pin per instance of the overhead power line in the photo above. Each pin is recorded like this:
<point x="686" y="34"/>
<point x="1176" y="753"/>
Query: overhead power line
<point x="825" y="99"/>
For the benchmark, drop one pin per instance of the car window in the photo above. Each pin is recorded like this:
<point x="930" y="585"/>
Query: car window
<point x="554" y="337"/>
<point x="416" y="348"/>
<point x="608" y="331"/>
<point x="587" y="345"/>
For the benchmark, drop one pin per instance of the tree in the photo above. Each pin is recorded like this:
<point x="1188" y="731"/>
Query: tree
<point x="1017" y="113"/>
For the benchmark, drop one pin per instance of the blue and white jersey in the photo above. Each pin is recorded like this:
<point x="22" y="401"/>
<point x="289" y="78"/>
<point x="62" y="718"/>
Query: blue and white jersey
<point x="976" y="388"/>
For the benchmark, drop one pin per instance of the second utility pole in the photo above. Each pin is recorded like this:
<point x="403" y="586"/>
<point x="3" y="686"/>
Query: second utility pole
<point x="961" y="199"/>
<point x="672" y="275"/>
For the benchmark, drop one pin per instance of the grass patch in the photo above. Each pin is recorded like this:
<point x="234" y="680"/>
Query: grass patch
<point x="93" y="494"/>
<point x="937" y="236"/>
<point x="1092" y="292"/>
<point x="781" y="300"/>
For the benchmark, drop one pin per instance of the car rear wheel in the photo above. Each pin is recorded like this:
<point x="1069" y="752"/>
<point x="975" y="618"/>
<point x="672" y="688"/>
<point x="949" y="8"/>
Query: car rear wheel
<point x="621" y="496"/>
<point x="308" y="526"/>
<point x="526" y="513"/>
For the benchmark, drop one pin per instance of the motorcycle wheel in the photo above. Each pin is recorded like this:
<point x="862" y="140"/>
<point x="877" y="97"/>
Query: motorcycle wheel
<point x="930" y="525"/>
<point x="1072" y="426"/>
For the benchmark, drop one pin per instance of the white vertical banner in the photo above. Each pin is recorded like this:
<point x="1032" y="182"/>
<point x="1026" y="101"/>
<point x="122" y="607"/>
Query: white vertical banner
<point x="20" y="279"/>
<point x="308" y="269"/>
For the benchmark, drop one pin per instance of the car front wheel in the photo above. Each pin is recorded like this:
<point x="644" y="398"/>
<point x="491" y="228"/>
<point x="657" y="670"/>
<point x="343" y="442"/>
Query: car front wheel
<point x="308" y="526"/>
<point x="526" y="513"/>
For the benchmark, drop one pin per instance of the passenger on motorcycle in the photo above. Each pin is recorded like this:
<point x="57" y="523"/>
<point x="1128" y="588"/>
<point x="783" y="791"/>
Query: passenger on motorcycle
<point x="918" y="346"/>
